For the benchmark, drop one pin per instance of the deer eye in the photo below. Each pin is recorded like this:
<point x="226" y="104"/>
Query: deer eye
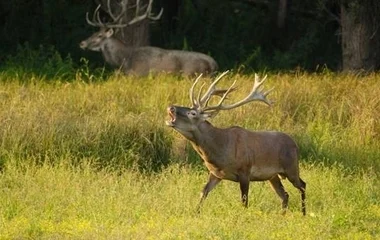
<point x="193" y="113"/>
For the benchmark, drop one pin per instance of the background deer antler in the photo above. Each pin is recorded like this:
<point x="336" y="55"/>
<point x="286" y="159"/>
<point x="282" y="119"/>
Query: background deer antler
<point x="117" y="19"/>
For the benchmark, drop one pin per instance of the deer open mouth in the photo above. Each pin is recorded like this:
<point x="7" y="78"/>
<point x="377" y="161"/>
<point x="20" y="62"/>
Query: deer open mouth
<point x="172" y="115"/>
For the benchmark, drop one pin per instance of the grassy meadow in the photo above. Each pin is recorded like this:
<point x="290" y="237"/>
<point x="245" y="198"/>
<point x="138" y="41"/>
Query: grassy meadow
<point x="93" y="159"/>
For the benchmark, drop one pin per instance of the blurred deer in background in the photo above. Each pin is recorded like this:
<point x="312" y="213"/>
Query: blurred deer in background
<point x="234" y="153"/>
<point x="141" y="60"/>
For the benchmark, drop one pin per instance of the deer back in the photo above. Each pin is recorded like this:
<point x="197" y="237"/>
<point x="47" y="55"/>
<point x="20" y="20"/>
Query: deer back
<point x="143" y="60"/>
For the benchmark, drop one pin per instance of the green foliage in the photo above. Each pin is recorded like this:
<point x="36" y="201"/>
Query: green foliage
<point x="44" y="62"/>
<point x="43" y="22"/>
<point x="88" y="73"/>
<point x="241" y="34"/>
<point x="29" y="64"/>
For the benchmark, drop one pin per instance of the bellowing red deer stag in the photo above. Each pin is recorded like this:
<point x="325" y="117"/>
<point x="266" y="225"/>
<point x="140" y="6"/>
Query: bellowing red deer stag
<point x="234" y="153"/>
<point x="141" y="60"/>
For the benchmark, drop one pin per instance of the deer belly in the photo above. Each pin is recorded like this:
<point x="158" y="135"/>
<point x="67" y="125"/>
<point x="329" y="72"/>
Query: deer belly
<point x="263" y="173"/>
<point x="221" y="173"/>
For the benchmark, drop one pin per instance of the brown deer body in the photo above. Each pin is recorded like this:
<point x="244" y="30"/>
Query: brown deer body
<point x="235" y="153"/>
<point x="142" y="60"/>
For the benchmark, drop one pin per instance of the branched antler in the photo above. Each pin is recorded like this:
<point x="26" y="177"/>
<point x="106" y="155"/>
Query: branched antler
<point x="201" y="103"/>
<point x="117" y="19"/>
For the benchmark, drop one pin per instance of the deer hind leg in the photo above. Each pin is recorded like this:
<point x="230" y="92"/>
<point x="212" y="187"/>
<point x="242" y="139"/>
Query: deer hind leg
<point x="280" y="190"/>
<point x="301" y="185"/>
<point x="212" y="182"/>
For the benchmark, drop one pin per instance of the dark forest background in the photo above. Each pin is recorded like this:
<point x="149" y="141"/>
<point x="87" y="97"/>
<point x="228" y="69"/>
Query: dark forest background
<point x="245" y="34"/>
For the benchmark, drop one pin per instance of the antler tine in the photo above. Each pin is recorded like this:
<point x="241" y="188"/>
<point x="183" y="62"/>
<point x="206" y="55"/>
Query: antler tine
<point x="191" y="92"/>
<point x="116" y="19"/>
<point x="255" y="95"/>
<point x="147" y="13"/>
<point x="137" y="9"/>
<point x="99" y="20"/>
<point x="259" y="83"/>
<point x="206" y="97"/>
<point x="117" y="23"/>
<point x="158" y="16"/>
<point x="220" y="93"/>
<point x="148" y="10"/>
<point x="199" y="95"/>
<point x="216" y="107"/>
<point x="109" y="9"/>
<point x="94" y="17"/>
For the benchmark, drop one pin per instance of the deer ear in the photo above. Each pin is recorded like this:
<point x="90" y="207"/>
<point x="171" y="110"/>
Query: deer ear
<point x="109" y="32"/>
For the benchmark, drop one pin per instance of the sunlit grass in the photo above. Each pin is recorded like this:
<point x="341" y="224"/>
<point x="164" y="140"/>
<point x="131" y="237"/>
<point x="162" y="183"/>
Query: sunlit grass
<point x="334" y="118"/>
<point x="65" y="202"/>
<point x="94" y="160"/>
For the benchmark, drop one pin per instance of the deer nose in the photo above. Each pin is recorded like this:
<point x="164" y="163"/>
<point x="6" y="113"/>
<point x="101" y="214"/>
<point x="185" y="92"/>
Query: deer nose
<point x="83" y="45"/>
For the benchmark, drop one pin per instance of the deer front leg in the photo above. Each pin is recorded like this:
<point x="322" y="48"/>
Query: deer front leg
<point x="212" y="182"/>
<point x="244" y="188"/>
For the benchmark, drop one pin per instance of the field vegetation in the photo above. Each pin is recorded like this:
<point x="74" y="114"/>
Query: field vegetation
<point x="90" y="157"/>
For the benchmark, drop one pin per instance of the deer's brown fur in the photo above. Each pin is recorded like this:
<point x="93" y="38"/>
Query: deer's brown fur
<point x="143" y="60"/>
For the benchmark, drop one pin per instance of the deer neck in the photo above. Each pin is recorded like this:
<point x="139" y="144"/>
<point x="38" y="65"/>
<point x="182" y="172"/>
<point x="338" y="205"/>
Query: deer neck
<point x="115" y="52"/>
<point x="209" y="142"/>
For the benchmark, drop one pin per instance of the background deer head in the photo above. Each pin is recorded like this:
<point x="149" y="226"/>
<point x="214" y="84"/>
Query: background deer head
<point x="118" y="21"/>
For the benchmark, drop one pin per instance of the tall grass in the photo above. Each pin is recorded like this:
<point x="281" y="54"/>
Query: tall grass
<point x="74" y="157"/>
<point x="120" y="122"/>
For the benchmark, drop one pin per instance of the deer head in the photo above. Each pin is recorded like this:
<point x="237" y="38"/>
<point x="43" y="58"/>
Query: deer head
<point x="108" y="29"/>
<point x="187" y="120"/>
<point x="95" y="41"/>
